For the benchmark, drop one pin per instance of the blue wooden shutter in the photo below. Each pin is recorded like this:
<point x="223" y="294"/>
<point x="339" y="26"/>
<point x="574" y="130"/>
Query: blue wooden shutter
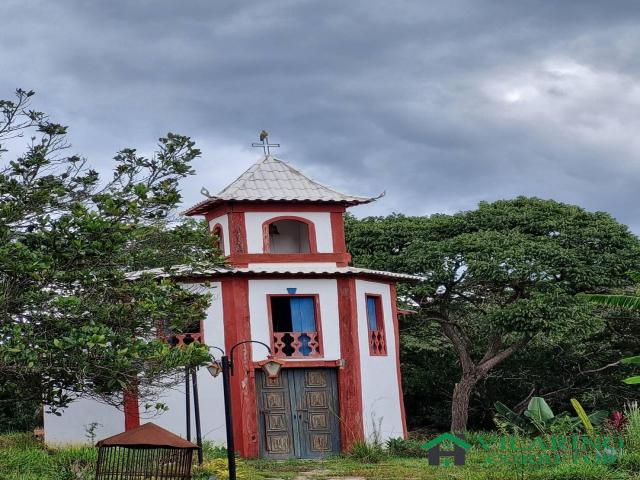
<point x="372" y="314"/>
<point x="303" y="314"/>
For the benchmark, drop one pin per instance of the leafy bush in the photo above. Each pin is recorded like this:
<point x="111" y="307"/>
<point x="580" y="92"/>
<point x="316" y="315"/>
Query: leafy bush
<point x="539" y="418"/>
<point x="400" y="447"/>
<point x="365" y="452"/>
<point x="213" y="450"/>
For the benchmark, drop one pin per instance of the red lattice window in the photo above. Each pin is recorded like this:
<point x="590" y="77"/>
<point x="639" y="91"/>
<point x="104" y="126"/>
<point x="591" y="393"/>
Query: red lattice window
<point x="375" y="323"/>
<point x="193" y="333"/>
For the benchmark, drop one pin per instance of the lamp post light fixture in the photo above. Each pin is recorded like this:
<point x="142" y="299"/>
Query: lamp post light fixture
<point x="271" y="367"/>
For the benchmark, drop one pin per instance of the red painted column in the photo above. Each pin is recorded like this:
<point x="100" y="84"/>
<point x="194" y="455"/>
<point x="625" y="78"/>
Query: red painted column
<point x="349" y="377"/>
<point x="131" y="410"/>
<point x="337" y="233"/>
<point x="396" y="332"/>
<point x="235" y="306"/>
<point x="237" y="234"/>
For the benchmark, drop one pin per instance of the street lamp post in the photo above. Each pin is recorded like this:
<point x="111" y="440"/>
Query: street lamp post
<point x="271" y="367"/>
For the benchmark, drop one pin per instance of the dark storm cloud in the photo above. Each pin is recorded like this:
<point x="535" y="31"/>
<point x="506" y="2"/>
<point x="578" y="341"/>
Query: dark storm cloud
<point x="442" y="104"/>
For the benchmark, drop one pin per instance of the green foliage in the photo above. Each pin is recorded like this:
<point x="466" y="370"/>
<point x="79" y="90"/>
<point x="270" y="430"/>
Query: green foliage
<point x="367" y="452"/>
<point x="71" y="323"/>
<point x="502" y="288"/>
<point x="579" y="471"/>
<point x="632" y="427"/>
<point x="406" y="448"/>
<point x="584" y="418"/>
<point x="630" y="461"/>
<point x="538" y="418"/>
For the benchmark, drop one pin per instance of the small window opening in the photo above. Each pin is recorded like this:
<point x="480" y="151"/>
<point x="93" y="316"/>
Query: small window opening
<point x="295" y="332"/>
<point x="218" y="239"/>
<point x="288" y="236"/>
<point x="375" y="324"/>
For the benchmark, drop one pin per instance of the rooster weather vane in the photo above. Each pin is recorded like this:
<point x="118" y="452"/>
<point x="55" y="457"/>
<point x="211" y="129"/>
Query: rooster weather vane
<point x="266" y="146"/>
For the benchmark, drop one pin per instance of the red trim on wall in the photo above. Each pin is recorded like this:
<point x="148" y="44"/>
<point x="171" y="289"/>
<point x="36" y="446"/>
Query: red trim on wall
<point x="311" y="232"/>
<point x="396" y="330"/>
<point x="337" y="233"/>
<point x="235" y="306"/>
<point x="131" y="410"/>
<point x="237" y="234"/>
<point x="228" y="207"/>
<point x="382" y="352"/>
<point x="219" y="231"/>
<point x="349" y="377"/>
<point x="316" y="307"/>
<point x="242" y="260"/>
<point x="306" y="363"/>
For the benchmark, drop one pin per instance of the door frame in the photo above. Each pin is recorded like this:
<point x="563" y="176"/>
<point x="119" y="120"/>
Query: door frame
<point x="296" y="409"/>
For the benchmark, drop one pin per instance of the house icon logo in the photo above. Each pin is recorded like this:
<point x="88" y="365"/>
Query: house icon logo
<point x="435" y="452"/>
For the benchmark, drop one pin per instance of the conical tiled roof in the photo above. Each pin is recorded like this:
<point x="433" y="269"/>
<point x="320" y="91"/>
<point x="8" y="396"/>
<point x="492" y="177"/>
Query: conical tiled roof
<point x="147" y="435"/>
<point x="271" y="179"/>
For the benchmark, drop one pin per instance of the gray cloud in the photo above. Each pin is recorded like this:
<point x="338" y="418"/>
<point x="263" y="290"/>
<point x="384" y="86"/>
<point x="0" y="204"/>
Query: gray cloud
<point x="442" y="104"/>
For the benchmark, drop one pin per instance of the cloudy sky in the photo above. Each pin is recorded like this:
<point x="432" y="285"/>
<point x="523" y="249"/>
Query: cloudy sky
<point x="441" y="104"/>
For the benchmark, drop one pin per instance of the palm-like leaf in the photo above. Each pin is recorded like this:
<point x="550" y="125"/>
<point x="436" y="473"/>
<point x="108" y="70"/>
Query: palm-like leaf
<point x="584" y="418"/>
<point x="621" y="301"/>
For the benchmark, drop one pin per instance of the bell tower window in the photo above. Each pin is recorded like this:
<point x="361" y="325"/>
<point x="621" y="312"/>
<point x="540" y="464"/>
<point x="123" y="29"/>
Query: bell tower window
<point x="218" y="238"/>
<point x="289" y="235"/>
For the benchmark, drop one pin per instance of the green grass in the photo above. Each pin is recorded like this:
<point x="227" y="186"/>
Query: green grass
<point x="23" y="458"/>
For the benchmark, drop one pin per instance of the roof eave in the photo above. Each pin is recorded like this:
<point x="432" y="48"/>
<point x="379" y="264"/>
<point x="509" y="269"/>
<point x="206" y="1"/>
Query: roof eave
<point x="203" y="207"/>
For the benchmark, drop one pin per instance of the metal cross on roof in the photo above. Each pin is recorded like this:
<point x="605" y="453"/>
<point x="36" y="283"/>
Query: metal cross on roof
<point x="264" y="138"/>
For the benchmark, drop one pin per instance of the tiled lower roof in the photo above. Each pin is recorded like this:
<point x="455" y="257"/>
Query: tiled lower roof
<point x="184" y="271"/>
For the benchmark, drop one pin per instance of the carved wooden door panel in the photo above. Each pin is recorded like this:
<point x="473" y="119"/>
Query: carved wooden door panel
<point x="275" y="416"/>
<point x="317" y="412"/>
<point x="298" y="413"/>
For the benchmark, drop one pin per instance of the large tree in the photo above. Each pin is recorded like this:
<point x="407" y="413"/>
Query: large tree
<point x="499" y="278"/>
<point x="71" y="323"/>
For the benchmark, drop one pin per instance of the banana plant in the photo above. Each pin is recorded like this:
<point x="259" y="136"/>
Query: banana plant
<point x="628" y="302"/>
<point x="539" y="418"/>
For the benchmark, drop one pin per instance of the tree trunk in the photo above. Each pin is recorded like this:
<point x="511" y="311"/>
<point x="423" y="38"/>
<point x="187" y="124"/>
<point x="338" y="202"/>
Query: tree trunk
<point x="460" y="402"/>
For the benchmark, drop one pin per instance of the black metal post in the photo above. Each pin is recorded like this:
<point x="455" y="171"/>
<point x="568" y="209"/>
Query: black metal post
<point x="226" y="383"/>
<point x="188" y="402"/>
<point x="196" y="411"/>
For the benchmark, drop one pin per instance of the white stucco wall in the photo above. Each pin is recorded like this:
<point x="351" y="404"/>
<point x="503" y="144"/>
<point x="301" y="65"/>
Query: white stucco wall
<point x="380" y="389"/>
<point x="223" y="220"/>
<point x="327" y="291"/>
<point x="322" y="221"/>
<point x="71" y="426"/>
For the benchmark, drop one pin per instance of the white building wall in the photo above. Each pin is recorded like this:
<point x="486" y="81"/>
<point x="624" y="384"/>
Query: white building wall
<point x="223" y="220"/>
<point x="322" y="221"/>
<point x="327" y="291"/>
<point x="380" y="388"/>
<point x="71" y="426"/>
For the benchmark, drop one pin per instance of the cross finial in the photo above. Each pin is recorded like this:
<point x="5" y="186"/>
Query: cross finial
<point x="264" y="139"/>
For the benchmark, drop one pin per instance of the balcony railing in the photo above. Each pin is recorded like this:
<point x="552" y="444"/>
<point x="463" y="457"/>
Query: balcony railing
<point x="377" y="342"/>
<point x="182" y="339"/>
<point x="296" y="344"/>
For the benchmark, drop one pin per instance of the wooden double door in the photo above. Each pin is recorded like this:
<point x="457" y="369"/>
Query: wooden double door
<point x="298" y="413"/>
